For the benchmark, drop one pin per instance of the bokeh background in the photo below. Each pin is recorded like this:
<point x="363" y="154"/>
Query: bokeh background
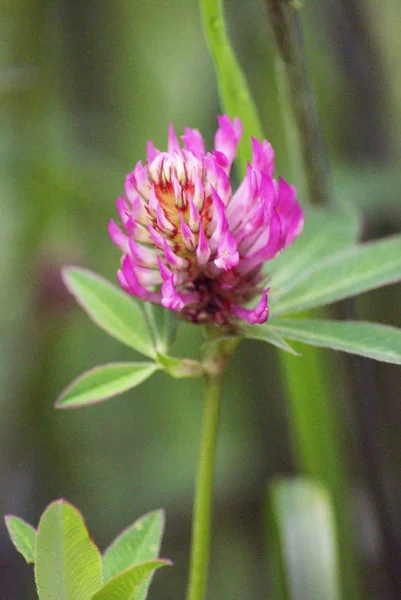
<point x="83" y="86"/>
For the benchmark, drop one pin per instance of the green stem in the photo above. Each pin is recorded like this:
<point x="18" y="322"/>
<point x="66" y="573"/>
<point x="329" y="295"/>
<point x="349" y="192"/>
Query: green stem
<point x="215" y="367"/>
<point x="234" y="91"/>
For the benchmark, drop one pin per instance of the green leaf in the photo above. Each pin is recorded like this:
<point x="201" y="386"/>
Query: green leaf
<point x="138" y="543"/>
<point x="180" y="367"/>
<point x="23" y="536"/>
<point x="265" y="334"/>
<point x="373" y="340"/>
<point x="302" y="534"/>
<point x="233" y="87"/>
<point x="343" y="275"/>
<point x="67" y="562"/>
<point x="104" y="382"/>
<point x="126" y="584"/>
<point x="113" y="310"/>
<point x="325" y="233"/>
<point x="163" y="325"/>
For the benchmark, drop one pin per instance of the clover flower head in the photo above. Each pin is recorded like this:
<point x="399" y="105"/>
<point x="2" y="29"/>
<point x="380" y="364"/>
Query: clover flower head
<point x="191" y="244"/>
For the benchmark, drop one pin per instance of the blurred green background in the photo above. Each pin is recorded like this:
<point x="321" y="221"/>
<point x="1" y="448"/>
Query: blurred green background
<point x="83" y="86"/>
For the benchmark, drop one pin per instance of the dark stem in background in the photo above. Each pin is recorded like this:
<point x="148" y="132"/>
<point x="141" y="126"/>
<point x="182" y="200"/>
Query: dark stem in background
<point x="365" y="122"/>
<point x="353" y="37"/>
<point x="366" y="387"/>
<point x="312" y="404"/>
<point x="284" y="21"/>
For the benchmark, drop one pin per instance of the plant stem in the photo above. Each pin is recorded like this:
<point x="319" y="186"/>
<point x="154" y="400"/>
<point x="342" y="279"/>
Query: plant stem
<point x="234" y="91"/>
<point x="215" y="367"/>
<point x="314" y="420"/>
<point x="284" y="20"/>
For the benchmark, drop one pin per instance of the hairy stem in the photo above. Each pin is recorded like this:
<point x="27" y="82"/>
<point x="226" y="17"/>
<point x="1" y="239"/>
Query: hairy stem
<point x="215" y="365"/>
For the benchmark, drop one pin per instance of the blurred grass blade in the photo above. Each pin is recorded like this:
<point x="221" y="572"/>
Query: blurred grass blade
<point x="301" y="523"/>
<point x="67" y="562"/>
<point x="138" y="543"/>
<point x="235" y="95"/>
<point x="325" y="233"/>
<point x="23" y="536"/>
<point x="104" y="382"/>
<point x="319" y="440"/>
<point x="343" y="275"/>
<point x="372" y="340"/>
<point x="316" y="436"/>
<point x="127" y="583"/>
<point x="111" y="309"/>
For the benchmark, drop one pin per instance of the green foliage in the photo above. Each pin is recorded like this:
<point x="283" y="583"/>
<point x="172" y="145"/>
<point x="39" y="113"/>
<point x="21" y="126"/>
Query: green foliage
<point x="109" y="307"/>
<point x="325" y="232"/>
<point x="322" y="266"/>
<point x="380" y="342"/>
<point x="138" y="543"/>
<point x="163" y="325"/>
<point x="23" y="536"/>
<point x="235" y="95"/>
<point x="68" y="565"/>
<point x="104" y="382"/>
<point x="266" y="334"/>
<point x="147" y="328"/>
<point x="126" y="584"/>
<point x="67" y="562"/>
<point x="348" y="273"/>
<point x="301" y="532"/>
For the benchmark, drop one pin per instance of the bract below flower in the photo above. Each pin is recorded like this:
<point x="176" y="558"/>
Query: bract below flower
<point x="191" y="244"/>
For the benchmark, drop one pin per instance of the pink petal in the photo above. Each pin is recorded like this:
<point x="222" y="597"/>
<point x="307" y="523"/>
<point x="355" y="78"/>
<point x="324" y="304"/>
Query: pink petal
<point x="152" y="152"/>
<point x="164" y="271"/>
<point x="143" y="256"/>
<point x="162" y="220"/>
<point x="153" y="201"/>
<point x="290" y="211"/>
<point x="203" y="250"/>
<point x="123" y="209"/>
<point x="129" y="282"/>
<point x="263" y="157"/>
<point x="187" y="236"/>
<point x="139" y="180"/>
<point x="138" y="231"/>
<point x="194" y="216"/>
<point x="217" y="178"/>
<point x="257" y="255"/>
<point x="130" y="187"/>
<point x="179" y="198"/>
<point x="138" y="210"/>
<point x="146" y="276"/>
<point x="258" y="315"/>
<point x="118" y="237"/>
<point x="199" y="192"/>
<point x="227" y="254"/>
<point x="219" y="221"/>
<point x="173" y="145"/>
<point x="222" y="160"/>
<point x="177" y="262"/>
<point x="170" y="298"/>
<point x="157" y="237"/>
<point x="193" y="142"/>
<point x="238" y="205"/>
<point x="227" y="137"/>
